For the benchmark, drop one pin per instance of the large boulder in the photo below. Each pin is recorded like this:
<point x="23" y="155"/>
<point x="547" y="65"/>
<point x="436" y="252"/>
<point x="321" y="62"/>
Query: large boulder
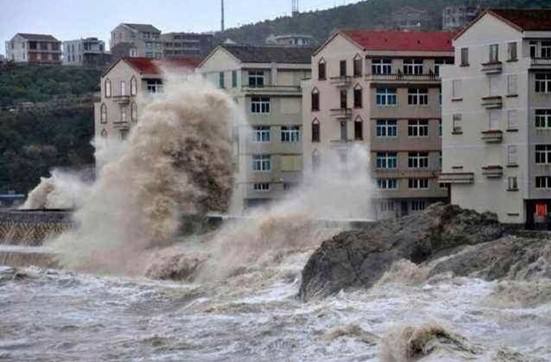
<point x="360" y="258"/>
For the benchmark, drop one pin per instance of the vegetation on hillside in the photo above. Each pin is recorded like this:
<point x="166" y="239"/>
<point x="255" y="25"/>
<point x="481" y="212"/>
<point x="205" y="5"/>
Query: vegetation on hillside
<point x="365" y="14"/>
<point x="41" y="83"/>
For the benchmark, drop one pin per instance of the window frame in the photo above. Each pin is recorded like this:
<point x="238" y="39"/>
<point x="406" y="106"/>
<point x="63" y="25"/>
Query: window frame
<point x="416" y="183"/>
<point x="133" y="86"/>
<point x="386" y="97"/>
<point x="261" y="163"/>
<point x="381" y="66"/>
<point x="357" y="66"/>
<point x="543" y="154"/>
<point x="315" y="100"/>
<point x="418" y="96"/>
<point x="464" y="57"/>
<point x="256" y="78"/>
<point x="262" y="134"/>
<point x="387" y="183"/>
<point x="108" y="88"/>
<point x="316" y="131"/>
<point x="261" y="105"/>
<point x="322" y="69"/>
<point x="290" y="134"/>
<point x="386" y="160"/>
<point x="413" y="66"/>
<point x="543" y="84"/>
<point x="418" y="160"/>
<point x="542" y="115"/>
<point x="384" y="126"/>
<point x="418" y="128"/>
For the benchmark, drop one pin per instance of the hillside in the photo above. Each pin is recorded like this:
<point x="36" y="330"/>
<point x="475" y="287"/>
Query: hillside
<point x="365" y="14"/>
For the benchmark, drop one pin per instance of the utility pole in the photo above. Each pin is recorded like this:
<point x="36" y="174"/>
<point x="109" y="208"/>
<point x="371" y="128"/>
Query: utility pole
<point x="295" y="10"/>
<point x="222" y="8"/>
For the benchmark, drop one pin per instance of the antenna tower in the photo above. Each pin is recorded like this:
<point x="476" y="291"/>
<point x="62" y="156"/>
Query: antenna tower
<point x="295" y="7"/>
<point x="222" y="11"/>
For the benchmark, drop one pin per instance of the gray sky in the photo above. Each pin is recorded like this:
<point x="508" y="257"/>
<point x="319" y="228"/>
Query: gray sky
<point x="72" y="19"/>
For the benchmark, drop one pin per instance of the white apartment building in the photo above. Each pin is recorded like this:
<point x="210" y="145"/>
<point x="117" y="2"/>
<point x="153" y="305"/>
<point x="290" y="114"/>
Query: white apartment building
<point x="265" y="84"/>
<point x="497" y="116"/>
<point x="136" y="40"/>
<point x="87" y="52"/>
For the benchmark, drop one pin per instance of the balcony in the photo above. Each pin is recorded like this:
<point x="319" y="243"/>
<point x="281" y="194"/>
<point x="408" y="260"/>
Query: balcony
<point x="492" y="136"/>
<point x="341" y="82"/>
<point x="540" y="63"/>
<point x="121" y="99"/>
<point x="492" y="67"/>
<point x="492" y="102"/>
<point x="121" y="125"/>
<point x="457" y="178"/>
<point x="268" y="90"/>
<point x="492" y="171"/>
<point x="341" y="113"/>
<point x="401" y="78"/>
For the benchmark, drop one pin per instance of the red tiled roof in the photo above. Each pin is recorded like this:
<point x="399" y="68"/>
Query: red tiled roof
<point x="526" y="19"/>
<point x="394" y="40"/>
<point x="152" y="66"/>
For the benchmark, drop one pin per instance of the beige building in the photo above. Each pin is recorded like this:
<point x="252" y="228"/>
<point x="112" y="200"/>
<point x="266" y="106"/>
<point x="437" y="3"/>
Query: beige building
<point x="34" y="49"/>
<point x="265" y="84"/>
<point x="177" y="45"/>
<point x="380" y="89"/>
<point x="136" y="40"/>
<point x="85" y="52"/>
<point x="497" y="116"/>
<point x="122" y="85"/>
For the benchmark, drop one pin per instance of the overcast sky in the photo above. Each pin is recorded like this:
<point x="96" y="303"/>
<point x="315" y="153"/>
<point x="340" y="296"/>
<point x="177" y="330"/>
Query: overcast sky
<point x="72" y="19"/>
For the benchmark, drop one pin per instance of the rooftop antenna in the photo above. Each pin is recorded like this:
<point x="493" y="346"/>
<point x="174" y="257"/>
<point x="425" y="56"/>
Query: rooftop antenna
<point x="295" y="11"/>
<point x="222" y="8"/>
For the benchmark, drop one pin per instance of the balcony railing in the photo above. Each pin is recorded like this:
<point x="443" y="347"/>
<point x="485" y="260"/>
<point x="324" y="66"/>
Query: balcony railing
<point x="492" y="136"/>
<point x="342" y="81"/>
<point x="492" y="67"/>
<point x="464" y="178"/>
<point x="341" y="113"/>
<point x="122" y="125"/>
<point x="492" y="171"/>
<point x="121" y="99"/>
<point x="492" y="102"/>
<point x="271" y="89"/>
<point x="401" y="77"/>
<point x="540" y="62"/>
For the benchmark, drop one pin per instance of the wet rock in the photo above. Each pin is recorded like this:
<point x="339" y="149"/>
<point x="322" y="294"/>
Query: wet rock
<point x="171" y="265"/>
<point x="360" y="258"/>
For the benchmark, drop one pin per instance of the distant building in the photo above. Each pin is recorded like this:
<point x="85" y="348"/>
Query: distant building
<point x="265" y="84"/>
<point x="408" y="18"/>
<point x="122" y="83"/>
<point x="34" y="49"/>
<point x="186" y="44"/>
<point x="455" y="17"/>
<point x="497" y="117"/>
<point x="291" y="40"/>
<point x="85" y="52"/>
<point x="136" y="40"/>
<point x="2" y="58"/>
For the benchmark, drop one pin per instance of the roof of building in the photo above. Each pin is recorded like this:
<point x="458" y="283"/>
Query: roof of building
<point x="37" y="37"/>
<point x="154" y="66"/>
<point x="394" y="40"/>
<point x="270" y="54"/>
<point x="147" y="28"/>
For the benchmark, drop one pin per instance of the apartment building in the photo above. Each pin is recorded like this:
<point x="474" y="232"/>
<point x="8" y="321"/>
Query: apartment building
<point x="497" y="116"/>
<point x="123" y="84"/>
<point x="33" y="49"/>
<point x="186" y="45"/>
<point x="298" y="40"/>
<point x="265" y="84"/>
<point x="380" y="89"/>
<point x="85" y="52"/>
<point x="136" y="40"/>
<point x="456" y="17"/>
<point x="409" y="18"/>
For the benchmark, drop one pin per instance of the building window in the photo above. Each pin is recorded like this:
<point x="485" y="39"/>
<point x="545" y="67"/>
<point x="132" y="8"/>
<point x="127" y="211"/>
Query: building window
<point x="494" y="120"/>
<point x="386" y="206"/>
<point x="386" y="97"/>
<point x="154" y="86"/>
<point x="457" y="123"/>
<point x="221" y="80"/>
<point x="103" y="113"/>
<point x="512" y="155"/>
<point x="381" y="66"/>
<point x="512" y="51"/>
<point x="543" y="182"/>
<point x="261" y="134"/>
<point x="418" y="205"/>
<point x="342" y="68"/>
<point x="358" y="66"/>
<point x="546" y="49"/>
<point x="263" y="187"/>
<point x="358" y="97"/>
<point x="260" y="104"/>
<point x="533" y="49"/>
<point x="107" y="88"/>
<point x="387" y="183"/>
<point x="543" y="118"/>
<point x="456" y="89"/>
<point x="418" y="128"/>
<point x="413" y="66"/>
<point x="439" y="128"/>
<point x="418" y="183"/>
<point x="387" y="128"/>
<point x="418" y="160"/>
<point x="316" y="135"/>
<point x="494" y="53"/>
<point x="512" y="183"/>
<point x="358" y="129"/>
<point x="290" y="134"/>
<point x="315" y="100"/>
<point x="543" y="83"/>
<point x="256" y="78"/>
<point x="344" y="99"/>
<point x="543" y="154"/>
<point x="512" y="84"/>
<point x="262" y="163"/>
<point x="387" y="160"/>
<point x="322" y="73"/>
<point x="464" y="57"/>
<point x="133" y="86"/>
<point x="344" y="131"/>
<point x="418" y="96"/>
<point x="134" y="112"/>
<point x="234" y="79"/>
<point x="123" y="88"/>
<point x="512" y="119"/>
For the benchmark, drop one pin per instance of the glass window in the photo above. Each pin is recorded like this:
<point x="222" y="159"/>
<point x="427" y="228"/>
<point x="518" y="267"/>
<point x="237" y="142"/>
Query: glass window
<point x="457" y="123"/>
<point x="260" y="105"/>
<point x="154" y="86"/>
<point x="221" y="80"/>
<point x="494" y="53"/>
<point x="322" y="70"/>
<point x="546" y="49"/>
<point x="418" y="183"/>
<point x="256" y="78"/>
<point x="512" y="84"/>
<point x="418" y="160"/>
<point x="123" y="88"/>
<point x="381" y="66"/>
<point x="543" y="182"/>
<point x="234" y="79"/>
<point x="386" y="97"/>
<point x="342" y="68"/>
<point x="413" y="66"/>
<point x="290" y="134"/>
<point x="358" y="129"/>
<point x="261" y="134"/>
<point x="418" y="96"/>
<point x="316" y="131"/>
<point x="357" y="66"/>
<point x="543" y="118"/>
<point x="543" y="83"/>
<point x="107" y="88"/>
<point x="315" y="100"/>
<point x="418" y="128"/>
<point x="512" y="183"/>
<point x="133" y="86"/>
<point x="262" y="163"/>
<point x="344" y="99"/>
<point x="264" y="187"/>
<point x="512" y="51"/>
<point x="543" y="154"/>
<point x="512" y="155"/>
<point x="387" y="160"/>
<point x="387" y="128"/>
<point x="533" y="49"/>
<point x="387" y="183"/>
<point x="464" y="57"/>
<point x="358" y="97"/>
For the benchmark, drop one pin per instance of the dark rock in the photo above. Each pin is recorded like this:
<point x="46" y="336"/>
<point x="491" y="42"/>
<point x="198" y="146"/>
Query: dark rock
<point x="360" y="258"/>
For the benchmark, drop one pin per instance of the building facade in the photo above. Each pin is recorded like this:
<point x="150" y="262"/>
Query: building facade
<point x="409" y="18"/>
<point x="136" y="40"/>
<point x="33" y="49"/>
<point x="380" y="89"/>
<point x="497" y="116"/>
<point x="456" y="17"/>
<point x="123" y="85"/>
<point x="265" y="84"/>
<point x="297" y="40"/>
<point x="85" y="52"/>
<point x="186" y="45"/>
